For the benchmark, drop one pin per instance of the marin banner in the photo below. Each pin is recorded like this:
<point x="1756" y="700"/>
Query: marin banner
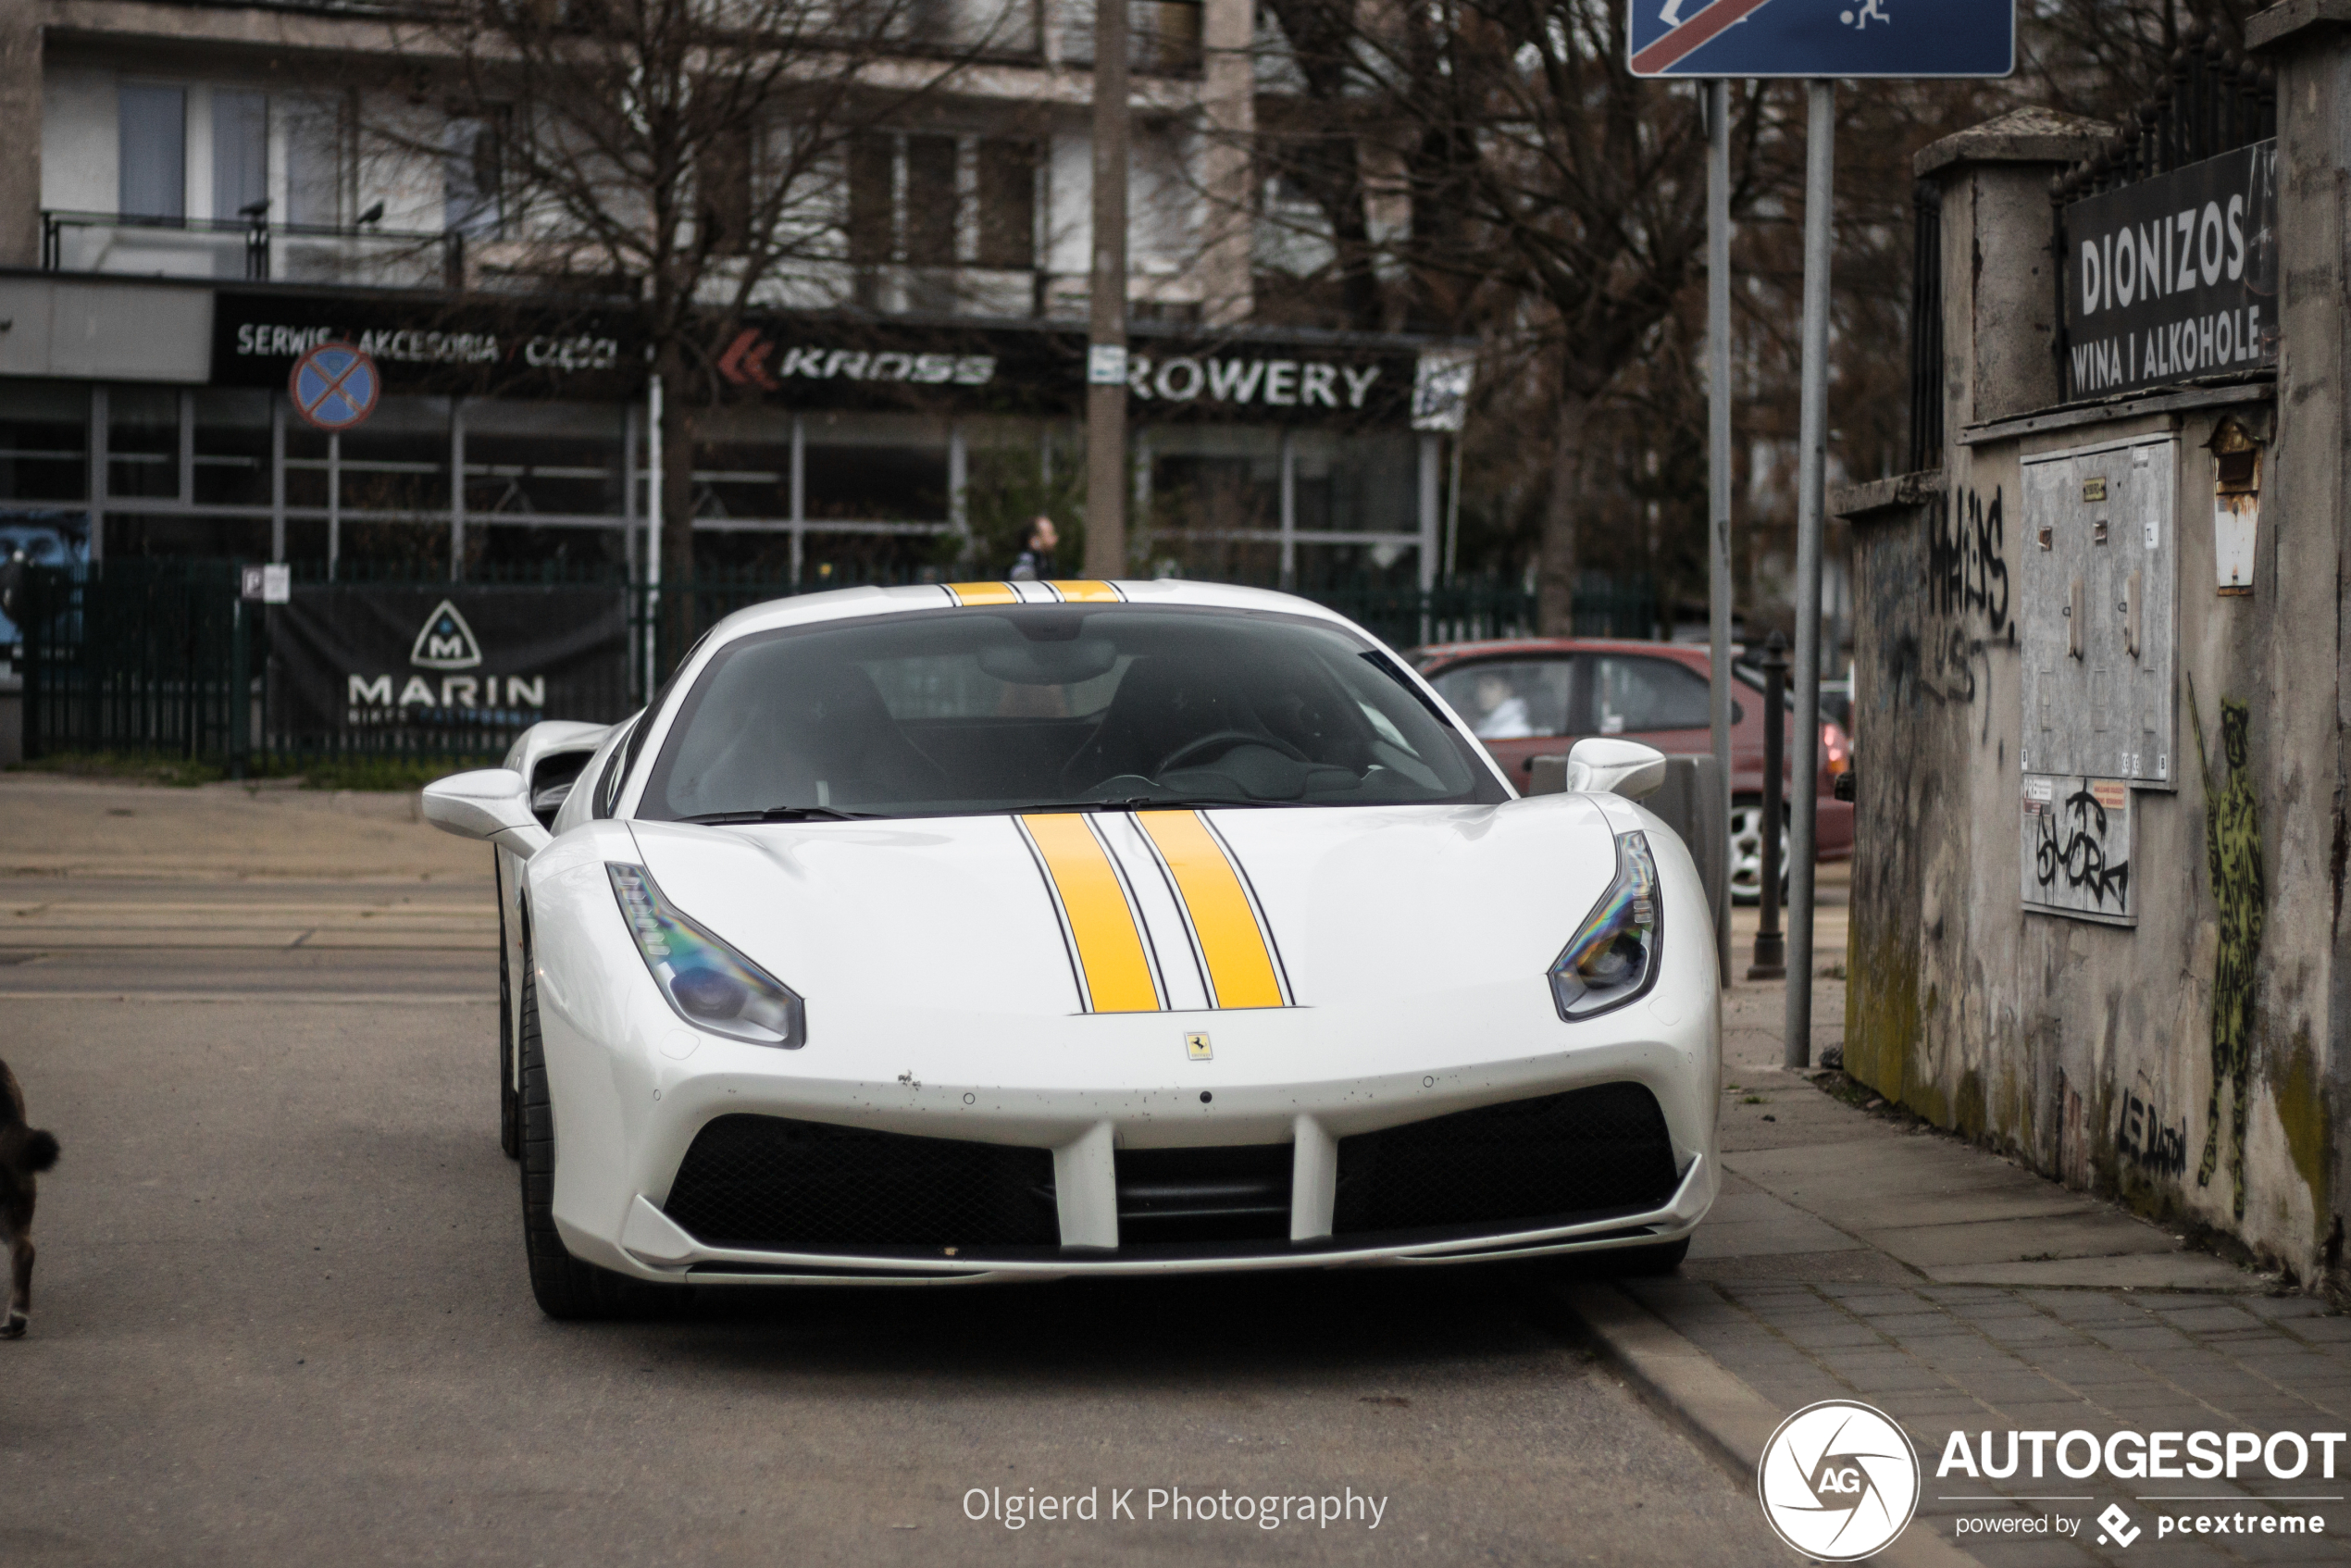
<point x="2174" y="277"/>
<point x="444" y="665"/>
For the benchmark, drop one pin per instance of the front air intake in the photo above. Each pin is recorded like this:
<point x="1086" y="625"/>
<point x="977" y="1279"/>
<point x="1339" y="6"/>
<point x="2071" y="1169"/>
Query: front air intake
<point x="774" y="1184"/>
<point x="1523" y="1164"/>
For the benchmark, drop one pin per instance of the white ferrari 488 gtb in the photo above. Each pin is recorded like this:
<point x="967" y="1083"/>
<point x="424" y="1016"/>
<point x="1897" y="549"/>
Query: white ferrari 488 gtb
<point x="997" y="931"/>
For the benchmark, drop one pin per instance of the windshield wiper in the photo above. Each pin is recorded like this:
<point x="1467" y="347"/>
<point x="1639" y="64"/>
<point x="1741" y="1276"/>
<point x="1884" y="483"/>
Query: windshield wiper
<point x="780" y="814"/>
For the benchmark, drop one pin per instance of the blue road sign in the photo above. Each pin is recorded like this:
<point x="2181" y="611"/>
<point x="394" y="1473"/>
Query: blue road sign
<point x="1823" y="38"/>
<point x="334" y="386"/>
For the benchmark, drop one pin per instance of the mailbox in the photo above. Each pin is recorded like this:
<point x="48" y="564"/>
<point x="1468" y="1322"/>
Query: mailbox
<point x="2097" y="595"/>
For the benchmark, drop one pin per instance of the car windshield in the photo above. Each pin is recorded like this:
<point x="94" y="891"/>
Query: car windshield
<point x="1015" y="708"/>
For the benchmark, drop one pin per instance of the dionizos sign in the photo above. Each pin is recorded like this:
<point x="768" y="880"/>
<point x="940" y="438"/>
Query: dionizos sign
<point x="2173" y="278"/>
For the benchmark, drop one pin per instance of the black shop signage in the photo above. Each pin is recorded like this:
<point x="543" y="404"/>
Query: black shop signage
<point x="832" y="362"/>
<point x="424" y="345"/>
<point x="362" y="659"/>
<point x="2175" y="276"/>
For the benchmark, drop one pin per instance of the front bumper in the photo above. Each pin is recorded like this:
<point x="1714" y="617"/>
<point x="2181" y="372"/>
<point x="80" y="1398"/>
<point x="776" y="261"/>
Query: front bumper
<point x="633" y="1086"/>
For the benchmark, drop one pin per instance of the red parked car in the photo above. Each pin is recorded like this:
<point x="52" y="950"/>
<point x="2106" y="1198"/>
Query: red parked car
<point x="1536" y="696"/>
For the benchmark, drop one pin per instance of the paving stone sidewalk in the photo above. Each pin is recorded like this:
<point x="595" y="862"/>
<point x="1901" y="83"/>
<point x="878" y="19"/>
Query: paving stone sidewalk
<point x="1854" y="1256"/>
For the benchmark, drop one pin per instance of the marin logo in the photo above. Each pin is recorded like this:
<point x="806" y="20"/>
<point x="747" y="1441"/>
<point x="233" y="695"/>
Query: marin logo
<point x="1838" y="1480"/>
<point x="446" y="641"/>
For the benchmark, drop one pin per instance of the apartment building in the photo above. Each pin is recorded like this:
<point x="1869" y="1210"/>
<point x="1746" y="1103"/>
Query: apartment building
<point x="195" y="191"/>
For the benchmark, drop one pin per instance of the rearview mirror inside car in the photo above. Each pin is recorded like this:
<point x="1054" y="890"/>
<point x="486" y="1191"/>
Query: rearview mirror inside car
<point x="1625" y="767"/>
<point x="491" y="804"/>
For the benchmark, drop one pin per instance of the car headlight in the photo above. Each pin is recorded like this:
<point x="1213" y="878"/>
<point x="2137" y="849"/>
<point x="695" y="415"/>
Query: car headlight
<point x="710" y="985"/>
<point x="1613" y="958"/>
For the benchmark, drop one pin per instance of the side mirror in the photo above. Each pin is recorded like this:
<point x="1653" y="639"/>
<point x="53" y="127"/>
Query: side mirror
<point x="1601" y="765"/>
<point x="489" y="803"/>
<point x="1844" y="788"/>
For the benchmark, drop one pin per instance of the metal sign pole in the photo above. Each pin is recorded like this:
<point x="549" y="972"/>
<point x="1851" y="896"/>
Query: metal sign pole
<point x="1819" y="192"/>
<point x="1718" y="545"/>
<point x="654" y="478"/>
<point x="1106" y="475"/>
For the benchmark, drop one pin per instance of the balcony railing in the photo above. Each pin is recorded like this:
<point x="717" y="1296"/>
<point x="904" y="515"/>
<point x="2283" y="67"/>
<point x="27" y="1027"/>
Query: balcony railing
<point x="211" y="248"/>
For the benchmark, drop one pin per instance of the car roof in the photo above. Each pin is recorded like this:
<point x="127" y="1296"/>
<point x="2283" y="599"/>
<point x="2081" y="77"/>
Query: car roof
<point x="843" y="604"/>
<point x="1490" y="647"/>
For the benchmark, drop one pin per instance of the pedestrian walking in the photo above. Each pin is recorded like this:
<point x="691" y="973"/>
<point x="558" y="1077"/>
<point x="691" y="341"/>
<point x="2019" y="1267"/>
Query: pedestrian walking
<point x="1035" y="561"/>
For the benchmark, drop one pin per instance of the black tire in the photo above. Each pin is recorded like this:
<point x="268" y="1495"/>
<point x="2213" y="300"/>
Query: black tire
<point x="1645" y="1262"/>
<point x="509" y="1102"/>
<point x="563" y="1286"/>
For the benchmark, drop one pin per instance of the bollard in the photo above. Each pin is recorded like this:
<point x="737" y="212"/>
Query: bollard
<point x="1771" y="947"/>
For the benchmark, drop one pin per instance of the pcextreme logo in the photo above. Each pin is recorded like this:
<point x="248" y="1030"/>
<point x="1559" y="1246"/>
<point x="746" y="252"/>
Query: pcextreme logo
<point x="1838" y="1480"/>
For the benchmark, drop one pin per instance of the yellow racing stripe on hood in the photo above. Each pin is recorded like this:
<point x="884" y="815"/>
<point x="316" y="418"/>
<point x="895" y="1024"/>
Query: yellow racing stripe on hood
<point x="1086" y="592"/>
<point x="1235" y="949"/>
<point x="983" y="592"/>
<point x="1101" y="923"/>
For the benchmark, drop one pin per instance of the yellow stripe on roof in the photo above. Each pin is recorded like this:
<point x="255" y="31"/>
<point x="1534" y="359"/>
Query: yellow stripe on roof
<point x="1087" y="592"/>
<point x="1237" y="952"/>
<point x="1101" y="924"/>
<point x="984" y="593"/>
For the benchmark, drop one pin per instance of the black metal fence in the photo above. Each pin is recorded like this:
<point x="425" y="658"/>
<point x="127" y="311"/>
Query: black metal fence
<point x="2214" y="102"/>
<point x="1926" y="328"/>
<point x="162" y="656"/>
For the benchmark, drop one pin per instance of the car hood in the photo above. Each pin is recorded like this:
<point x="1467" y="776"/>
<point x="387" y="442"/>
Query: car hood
<point x="1001" y="914"/>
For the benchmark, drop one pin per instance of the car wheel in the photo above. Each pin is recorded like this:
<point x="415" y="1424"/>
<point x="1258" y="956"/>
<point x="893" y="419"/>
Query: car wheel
<point x="1645" y="1262"/>
<point x="509" y="1102"/>
<point x="563" y="1286"/>
<point x="1747" y="851"/>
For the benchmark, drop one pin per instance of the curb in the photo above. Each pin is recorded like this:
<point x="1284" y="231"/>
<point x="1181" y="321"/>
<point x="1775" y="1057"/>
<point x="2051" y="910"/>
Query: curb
<point x="1726" y="1417"/>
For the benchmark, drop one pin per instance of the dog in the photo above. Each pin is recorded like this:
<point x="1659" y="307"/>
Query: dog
<point x="25" y="1151"/>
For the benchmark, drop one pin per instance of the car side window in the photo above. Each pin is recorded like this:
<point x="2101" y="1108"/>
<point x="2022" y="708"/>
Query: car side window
<point x="1633" y="693"/>
<point x="616" y="769"/>
<point x="1511" y="699"/>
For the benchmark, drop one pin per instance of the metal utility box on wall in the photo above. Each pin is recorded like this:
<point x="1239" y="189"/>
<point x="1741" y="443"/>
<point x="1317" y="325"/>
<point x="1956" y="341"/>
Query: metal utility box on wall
<point x="2097" y="597"/>
<point x="2098" y="612"/>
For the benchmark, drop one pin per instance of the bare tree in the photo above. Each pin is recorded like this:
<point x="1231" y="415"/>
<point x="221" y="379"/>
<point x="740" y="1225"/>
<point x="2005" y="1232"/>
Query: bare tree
<point x="703" y="158"/>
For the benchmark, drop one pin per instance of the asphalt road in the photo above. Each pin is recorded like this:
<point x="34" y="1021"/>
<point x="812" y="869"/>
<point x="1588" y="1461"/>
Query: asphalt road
<point x="280" y="1317"/>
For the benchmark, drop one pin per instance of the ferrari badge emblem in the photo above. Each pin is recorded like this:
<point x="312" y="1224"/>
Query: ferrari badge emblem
<point x="1196" y="1047"/>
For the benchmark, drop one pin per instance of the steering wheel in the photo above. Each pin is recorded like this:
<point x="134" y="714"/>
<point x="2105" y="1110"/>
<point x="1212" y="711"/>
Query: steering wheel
<point x="1230" y="738"/>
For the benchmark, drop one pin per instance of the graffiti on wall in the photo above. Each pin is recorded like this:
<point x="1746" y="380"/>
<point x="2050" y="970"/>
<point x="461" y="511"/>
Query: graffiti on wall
<point x="1967" y="568"/>
<point x="2146" y="1139"/>
<point x="1966" y="600"/>
<point x="2075" y="849"/>
<point x="2233" y="855"/>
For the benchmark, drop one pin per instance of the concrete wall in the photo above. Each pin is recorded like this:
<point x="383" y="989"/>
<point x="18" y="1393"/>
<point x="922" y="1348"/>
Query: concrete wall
<point x="2088" y="1048"/>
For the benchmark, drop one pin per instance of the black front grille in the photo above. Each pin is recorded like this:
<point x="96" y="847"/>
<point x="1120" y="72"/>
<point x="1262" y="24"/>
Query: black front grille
<point x="770" y="1182"/>
<point x="1589" y="1150"/>
<point x="1228" y="1194"/>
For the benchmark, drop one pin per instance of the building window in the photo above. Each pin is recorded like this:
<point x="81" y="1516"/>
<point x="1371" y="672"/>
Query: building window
<point x="722" y="183"/>
<point x="317" y="154"/>
<point x="931" y="201"/>
<point x="473" y="175"/>
<point x="918" y="212"/>
<point x="873" y="199"/>
<point x="239" y="155"/>
<point x="1008" y="203"/>
<point x="153" y="129"/>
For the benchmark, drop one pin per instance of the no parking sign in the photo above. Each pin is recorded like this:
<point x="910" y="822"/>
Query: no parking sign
<point x="334" y="386"/>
